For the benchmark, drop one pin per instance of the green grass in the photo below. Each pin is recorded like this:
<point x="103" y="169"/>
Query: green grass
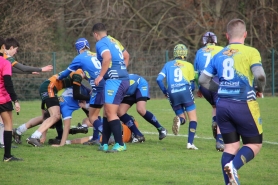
<point x="165" y="162"/>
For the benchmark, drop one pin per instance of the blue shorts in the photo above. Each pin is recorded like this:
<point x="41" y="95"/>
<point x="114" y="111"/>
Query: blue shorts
<point x="185" y="107"/>
<point x="181" y="97"/>
<point x="67" y="111"/>
<point x="115" y="90"/>
<point x="97" y="98"/>
<point x="239" y="116"/>
<point x="142" y="89"/>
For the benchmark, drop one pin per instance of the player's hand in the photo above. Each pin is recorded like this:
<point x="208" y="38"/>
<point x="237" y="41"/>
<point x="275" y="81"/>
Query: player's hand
<point x="98" y="79"/>
<point x="82" y="104"/>
<point x="56" y="145"/>
<point x="42" y="140"/>
<point x="17" y="106"/>
<point x="47" y="68"/>
<point x="35" y="73"/>
<point x="199" y="94"/>
<point x="259" y="95"/>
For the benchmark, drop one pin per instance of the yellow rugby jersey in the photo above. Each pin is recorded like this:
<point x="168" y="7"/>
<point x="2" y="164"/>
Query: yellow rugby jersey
<point x="233" y="67"/>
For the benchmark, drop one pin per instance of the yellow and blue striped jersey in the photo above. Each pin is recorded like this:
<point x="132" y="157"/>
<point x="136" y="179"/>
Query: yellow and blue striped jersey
<point x="233" y="66"/>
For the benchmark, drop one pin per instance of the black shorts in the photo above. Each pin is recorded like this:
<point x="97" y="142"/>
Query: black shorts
<point x="130" y="100"/>
<point x="6" y="107"/>
<point x="50" y="102"/>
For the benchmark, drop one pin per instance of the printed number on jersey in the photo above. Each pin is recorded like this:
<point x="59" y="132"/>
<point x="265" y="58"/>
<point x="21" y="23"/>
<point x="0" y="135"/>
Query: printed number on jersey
<point x="177" y="75"/>
<point x="228" y="69"/>
<point x="120" y="52"/>
<point x="208" y="57"/>
<point x="96" y="62"/>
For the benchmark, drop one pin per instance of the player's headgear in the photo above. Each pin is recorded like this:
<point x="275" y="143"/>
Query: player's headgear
<point x="209" y="37"/>
<point x="180" y="50"/>
<point x="81" y="43"/>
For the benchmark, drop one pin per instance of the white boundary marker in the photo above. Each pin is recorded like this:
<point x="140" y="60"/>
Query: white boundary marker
<point x="208" y="138"/>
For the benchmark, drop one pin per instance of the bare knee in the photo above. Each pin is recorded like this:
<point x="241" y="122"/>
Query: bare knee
<point x="255" y="147"/>
<point x="141" y="110"/>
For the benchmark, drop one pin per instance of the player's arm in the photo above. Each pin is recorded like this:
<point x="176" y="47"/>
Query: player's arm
<point x="65" y="133"/>
<point x="64" y="74"/>
<point x="106" y="59"/>
<point x="17" y="71"/>
<point x="77" y="78"/>
<point x="260" y="77"/>
<point x="75" y="64"/>
<point x="159" y="81"/>
<point x="25" y="68"/>
<point x="106" y="55"/>
<point x="77" y="95"/>
<point x="206" y="81"/>
<point x="126" y="57"/>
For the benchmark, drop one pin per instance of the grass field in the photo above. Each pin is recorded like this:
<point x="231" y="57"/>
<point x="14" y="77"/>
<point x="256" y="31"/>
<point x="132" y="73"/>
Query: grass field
<point x="165" y="162"/>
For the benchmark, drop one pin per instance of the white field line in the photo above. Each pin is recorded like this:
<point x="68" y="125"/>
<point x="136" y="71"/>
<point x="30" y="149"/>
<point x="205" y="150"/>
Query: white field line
<point x="208" y="138"/>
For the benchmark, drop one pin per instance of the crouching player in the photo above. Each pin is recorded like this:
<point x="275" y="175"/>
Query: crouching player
<point x="138" y="93"/>
<point x="180" y="81"/>
<point x="68" y="105"/>
<point x="48" y="92"/>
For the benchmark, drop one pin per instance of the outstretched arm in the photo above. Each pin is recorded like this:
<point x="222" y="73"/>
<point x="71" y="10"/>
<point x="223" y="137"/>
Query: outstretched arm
<point x="15" y="70"/>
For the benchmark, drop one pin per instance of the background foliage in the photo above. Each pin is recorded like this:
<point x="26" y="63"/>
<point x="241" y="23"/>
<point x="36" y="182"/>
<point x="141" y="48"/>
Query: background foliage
<point x="146" y="28"/>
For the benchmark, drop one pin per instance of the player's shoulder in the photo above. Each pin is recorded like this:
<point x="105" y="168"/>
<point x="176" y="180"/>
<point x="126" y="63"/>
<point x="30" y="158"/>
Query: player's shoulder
<point x="92" y="54"/>
<point x="250" y="48"/>
<point x="217" y="48"/>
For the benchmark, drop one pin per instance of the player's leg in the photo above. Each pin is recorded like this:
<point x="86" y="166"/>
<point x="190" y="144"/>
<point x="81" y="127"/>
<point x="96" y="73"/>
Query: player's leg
<point x="249" y="127"/>
<point x="17" y="132"/>
<point x="67" y="122"/>
<point x="128" y="120"/>
<point x="112" y="101"/>
<point x="95" y="105"/>
<point x="6" y="114"/>
<point x="96" y="123"/>
<point x="53" y="108"/>
<point x="192" y="116"/>
<point x="179" y="119"/>
<point x="211" y="98"/>
<point x="229" y="133"/>
<point x="149" y="117"/>
<point x="1" y="133"/>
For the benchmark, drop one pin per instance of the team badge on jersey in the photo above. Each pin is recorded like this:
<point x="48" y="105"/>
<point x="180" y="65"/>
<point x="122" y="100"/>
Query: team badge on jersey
<point x="230" y="52"/>
<point x="207" y="50"/>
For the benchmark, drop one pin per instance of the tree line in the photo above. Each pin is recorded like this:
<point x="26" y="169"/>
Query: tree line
<point x="143" y="25"/>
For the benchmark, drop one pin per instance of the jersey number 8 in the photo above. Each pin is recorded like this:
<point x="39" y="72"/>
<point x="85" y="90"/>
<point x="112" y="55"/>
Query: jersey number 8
<point x="228" y="70"/>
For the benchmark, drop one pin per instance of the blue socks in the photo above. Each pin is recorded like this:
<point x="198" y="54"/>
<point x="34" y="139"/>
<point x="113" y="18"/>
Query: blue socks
<point x="219" y="138"/>
<point x="149" y="117"/>
<point x="214" y="119"/>
<point x="128" y="121"/>
<point x="97" y="125"/>
<point x="244" y="155"/>
<point x="182" y="120"/>
<point x="191" y="131"/>
<point x="226" y="158"/>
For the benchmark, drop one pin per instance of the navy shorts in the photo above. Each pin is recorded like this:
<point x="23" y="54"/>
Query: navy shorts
<point x="239" y="116"/>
